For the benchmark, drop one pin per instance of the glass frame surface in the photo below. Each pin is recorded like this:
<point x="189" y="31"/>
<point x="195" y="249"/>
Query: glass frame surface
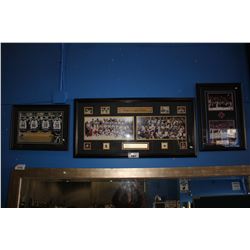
<point x="40" y="127"/>
<point x="109" y="136"/>
<point x="221" y="117"/>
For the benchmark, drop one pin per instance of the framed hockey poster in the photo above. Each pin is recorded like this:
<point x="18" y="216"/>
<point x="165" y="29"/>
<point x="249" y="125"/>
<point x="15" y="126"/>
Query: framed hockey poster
<point x="40" y="127"/>
<point x="141" y="127"/>
<point x="221" y="116"/>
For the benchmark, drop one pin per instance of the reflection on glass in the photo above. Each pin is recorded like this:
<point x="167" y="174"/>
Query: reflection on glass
<point x="136" y="193"/>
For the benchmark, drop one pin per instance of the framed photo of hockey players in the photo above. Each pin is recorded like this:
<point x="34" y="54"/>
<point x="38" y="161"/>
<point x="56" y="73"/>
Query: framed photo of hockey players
<point x="40" y="127"/>
<point x="140" y="127"/>
<point x="221" y="116"/>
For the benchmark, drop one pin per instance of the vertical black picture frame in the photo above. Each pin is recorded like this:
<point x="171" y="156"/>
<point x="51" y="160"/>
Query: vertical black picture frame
<point x="221" y="117"/>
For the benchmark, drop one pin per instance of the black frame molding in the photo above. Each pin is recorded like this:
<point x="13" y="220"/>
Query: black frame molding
<point x="238" y="104"/>
<point x="79" y="104"/>
<point x="42" y="146"/>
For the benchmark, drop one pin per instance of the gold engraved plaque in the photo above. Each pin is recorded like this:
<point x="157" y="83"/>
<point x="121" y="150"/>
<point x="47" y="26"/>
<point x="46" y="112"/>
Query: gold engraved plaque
<point x="135" y="110"/>
<point x="137" y="146"/>
<point x="39" y="137"/>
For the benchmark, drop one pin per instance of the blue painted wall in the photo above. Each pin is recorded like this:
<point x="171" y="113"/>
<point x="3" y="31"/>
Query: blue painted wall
<point x="31" y="73"/>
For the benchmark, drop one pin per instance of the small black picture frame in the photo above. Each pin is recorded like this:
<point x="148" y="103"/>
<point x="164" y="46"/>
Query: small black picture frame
<point x="40" y="127"/>
<point x="120" y="127"/>
<point x="221" y="117"/>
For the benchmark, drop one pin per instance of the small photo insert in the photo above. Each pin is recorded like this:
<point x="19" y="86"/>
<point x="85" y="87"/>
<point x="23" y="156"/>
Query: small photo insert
<point x="165" y="110"/>
<point x="88" y="110"/>
<point x="181" y="109"/>
<point x="105" y="110"/>
<point x="183" y="145"/>
<point x="106" y="146"/>
<point x="164" y="145"/>
<point x="87" y="146"/>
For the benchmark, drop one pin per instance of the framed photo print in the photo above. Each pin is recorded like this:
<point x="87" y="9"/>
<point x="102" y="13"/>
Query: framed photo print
<point x="40" y="127"/>
<point x="134" y="127"/>
<point x="221" y="117"/>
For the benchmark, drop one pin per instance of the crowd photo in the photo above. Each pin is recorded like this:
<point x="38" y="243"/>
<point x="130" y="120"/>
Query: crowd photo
<point x="161" y="128"/>
<point x="221" y="129"/>
<point x="223" y="102"/>
<point x="109" y="128"/>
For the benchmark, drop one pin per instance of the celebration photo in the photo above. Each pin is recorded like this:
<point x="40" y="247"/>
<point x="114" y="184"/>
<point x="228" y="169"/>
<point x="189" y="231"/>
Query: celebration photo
<point x="161" y="128"/>
<point x="220" y="101"/>
<point x="109" y="128"/>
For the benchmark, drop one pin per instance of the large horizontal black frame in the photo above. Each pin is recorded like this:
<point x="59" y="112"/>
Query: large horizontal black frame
<point x="39" y="146"/>
<point x="116" y="151"/>
<point x="237" y="115"/>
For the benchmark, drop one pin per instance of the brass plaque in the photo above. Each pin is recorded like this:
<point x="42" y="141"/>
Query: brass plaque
<point x="137" y="146"/>
<point x="38" y="137"/>
<point x="135" y="110"/>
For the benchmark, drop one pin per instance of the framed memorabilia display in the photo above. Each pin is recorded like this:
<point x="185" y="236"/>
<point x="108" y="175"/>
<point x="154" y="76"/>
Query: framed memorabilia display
<point x="221" y="117"/>
<point x="40" y="127"/>
<point x="134" y="128"/>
